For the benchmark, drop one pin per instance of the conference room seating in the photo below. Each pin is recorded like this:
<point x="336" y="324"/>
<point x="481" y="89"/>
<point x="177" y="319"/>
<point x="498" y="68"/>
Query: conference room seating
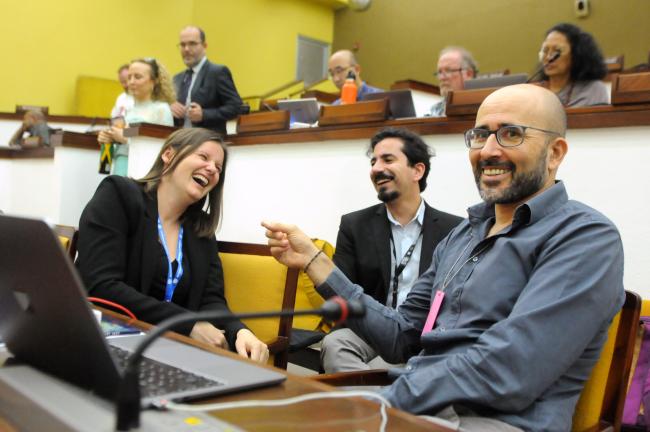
<point x="615" y="63"/>
<point x="68" y="237"/>
<point x="256" y="282"/>
<point x="600" y="406"/>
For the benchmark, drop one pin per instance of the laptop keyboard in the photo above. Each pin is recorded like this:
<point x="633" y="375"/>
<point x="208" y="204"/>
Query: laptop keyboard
<point x="158" y="378"/>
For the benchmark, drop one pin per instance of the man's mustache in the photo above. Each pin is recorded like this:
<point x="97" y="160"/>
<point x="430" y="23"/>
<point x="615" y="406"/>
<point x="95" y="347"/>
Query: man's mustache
<point x="382" y="176"/>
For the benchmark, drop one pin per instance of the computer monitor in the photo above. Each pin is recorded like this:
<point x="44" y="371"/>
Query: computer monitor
<point x="302" y="110"/>
<point x="400" y="102"/>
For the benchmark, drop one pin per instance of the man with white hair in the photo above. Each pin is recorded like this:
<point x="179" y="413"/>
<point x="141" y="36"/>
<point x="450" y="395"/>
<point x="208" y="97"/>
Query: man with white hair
<point x="455" y="66"/>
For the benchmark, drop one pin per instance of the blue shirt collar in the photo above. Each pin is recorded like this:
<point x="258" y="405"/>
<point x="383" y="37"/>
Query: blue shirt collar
<point x="528" y="212"/>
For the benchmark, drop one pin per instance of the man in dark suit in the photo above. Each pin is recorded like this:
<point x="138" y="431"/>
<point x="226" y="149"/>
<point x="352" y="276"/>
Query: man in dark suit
<point x="205" y="92"/>
<point x="384" y="248"/>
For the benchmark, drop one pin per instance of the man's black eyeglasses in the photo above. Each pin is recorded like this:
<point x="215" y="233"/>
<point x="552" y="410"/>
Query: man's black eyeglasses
<point x="507" y="136"/>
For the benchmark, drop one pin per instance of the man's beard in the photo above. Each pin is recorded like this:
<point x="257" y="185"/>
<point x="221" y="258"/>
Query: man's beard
<point x="387" y="196"/>
<point x="383" y="194"/>
<point x="521" y="187"/>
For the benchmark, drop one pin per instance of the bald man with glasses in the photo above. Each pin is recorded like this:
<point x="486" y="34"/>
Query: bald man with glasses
<point x="503" y="329"/>
<point x="339" y="65"/>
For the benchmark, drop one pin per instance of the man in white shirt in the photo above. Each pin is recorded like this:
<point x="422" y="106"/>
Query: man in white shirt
<point x="384" y="248"/>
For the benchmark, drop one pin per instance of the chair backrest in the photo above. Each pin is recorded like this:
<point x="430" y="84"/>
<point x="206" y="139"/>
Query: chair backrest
<point x="602" y="400"/>
<point x="255" y="282"/>
<point x="68" y="237"/>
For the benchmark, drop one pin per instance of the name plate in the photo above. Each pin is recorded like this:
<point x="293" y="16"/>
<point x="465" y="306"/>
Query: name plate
<point x="263" y="121"/>
<point x="466" y="102"/>
<point x="631" y="88"/>
<point x="360" y="112"/>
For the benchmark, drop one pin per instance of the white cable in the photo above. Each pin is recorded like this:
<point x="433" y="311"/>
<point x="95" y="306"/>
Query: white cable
<point x="288" y="401"/>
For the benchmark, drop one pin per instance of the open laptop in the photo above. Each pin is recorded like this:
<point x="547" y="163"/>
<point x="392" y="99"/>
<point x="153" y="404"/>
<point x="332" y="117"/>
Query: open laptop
<point x="501" y="81"/>
<point x="46" y="323"/>
<point x="400" y="102"/>
<point x="302" y="110"/>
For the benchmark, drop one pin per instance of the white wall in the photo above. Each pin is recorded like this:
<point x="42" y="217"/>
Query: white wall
<point x="313" y="184"/>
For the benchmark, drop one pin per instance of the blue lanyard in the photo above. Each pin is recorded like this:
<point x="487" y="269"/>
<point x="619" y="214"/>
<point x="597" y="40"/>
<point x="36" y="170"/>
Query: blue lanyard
<point x="172" y="280"/>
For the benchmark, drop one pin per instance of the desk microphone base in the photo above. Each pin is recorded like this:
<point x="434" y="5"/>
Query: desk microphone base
<point x="34" y="401"/>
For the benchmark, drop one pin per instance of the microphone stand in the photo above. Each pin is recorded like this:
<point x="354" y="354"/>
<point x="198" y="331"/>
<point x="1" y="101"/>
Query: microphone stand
<point x="540" y="69"/>
<point x="128" y="394"/>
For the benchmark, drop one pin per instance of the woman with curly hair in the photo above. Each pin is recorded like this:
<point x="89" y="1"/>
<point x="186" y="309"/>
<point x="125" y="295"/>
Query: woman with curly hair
<point x="576" y="73"/>
<point x="150" y="85"/>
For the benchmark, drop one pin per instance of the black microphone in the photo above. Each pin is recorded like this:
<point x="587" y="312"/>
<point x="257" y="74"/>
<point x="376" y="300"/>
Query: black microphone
<point x="128" y="394"/>
<point x="556" y="55"/>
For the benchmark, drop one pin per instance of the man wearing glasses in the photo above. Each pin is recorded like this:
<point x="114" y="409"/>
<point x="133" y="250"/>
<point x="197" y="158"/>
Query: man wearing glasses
<point x="455" y="66"/>
<point x="205" y="92"/>
<point x="503" y="329"/>
<point x="338" y="67"/>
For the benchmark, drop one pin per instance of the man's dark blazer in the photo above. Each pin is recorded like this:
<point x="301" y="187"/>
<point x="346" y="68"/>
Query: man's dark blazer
<point x="118" y="250"/>
<point x="215" y="91"/>
<point x="363" y="250"/>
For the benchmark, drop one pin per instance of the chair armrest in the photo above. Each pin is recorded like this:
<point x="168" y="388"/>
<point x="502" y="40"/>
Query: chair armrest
<point x="372" y="377"/>
<point x="279" y="344"/>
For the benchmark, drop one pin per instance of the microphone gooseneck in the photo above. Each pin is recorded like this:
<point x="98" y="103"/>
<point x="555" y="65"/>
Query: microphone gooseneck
<point x="556" y="55"/>
<point x="128" y="394"/>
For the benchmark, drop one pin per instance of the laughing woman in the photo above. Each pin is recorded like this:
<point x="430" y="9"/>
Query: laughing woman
<point x="149" y="244"/>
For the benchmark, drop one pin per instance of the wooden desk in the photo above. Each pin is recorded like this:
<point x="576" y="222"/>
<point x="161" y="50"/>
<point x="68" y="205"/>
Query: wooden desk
<point x="326" y="415"/>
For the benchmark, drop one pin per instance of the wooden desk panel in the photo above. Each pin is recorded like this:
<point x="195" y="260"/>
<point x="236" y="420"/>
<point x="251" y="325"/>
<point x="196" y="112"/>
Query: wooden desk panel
<point x="578" y="118"/>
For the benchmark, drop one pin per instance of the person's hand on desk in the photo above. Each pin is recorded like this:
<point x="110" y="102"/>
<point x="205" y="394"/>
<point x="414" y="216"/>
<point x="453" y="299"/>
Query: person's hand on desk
<point x="247" y="345"/>
<point x="205" y="332"/>
<point x="195" y="113"/>
<point x="111" y="135"/>
<point x="178" y="109"/>
<point x="293" y="248"/>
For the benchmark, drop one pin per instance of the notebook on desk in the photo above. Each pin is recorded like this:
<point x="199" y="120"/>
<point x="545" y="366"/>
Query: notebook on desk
<point x="400" y="102"/>
<point x="46" y="323"/>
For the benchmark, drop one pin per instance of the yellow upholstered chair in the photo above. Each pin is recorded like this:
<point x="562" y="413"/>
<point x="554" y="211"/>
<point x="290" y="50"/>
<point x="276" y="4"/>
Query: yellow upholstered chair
<point x="68" y="237"/>
<point x="256" y="282"/>
<point x="601" y="403"/>
<point x="308" y="298"/>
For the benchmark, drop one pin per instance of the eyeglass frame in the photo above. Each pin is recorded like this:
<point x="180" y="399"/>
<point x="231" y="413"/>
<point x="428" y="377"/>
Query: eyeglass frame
<point x="339" y="70"/>
<point x="448" y="72"/>
<point x="542" y="54"/>
<point x="496" y="135"/>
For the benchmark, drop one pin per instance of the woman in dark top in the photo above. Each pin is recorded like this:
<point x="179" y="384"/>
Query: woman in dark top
<point x="149" y="244"/>
<point x="575" y="75"/>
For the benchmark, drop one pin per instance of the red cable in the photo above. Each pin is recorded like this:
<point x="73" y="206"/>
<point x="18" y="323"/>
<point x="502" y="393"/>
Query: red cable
<point x="344" y="309"/>
<point x="113" y="304"/>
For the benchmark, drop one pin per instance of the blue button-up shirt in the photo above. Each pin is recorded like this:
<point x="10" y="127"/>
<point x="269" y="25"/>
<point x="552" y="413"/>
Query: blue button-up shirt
<point x="523" y="321"/>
